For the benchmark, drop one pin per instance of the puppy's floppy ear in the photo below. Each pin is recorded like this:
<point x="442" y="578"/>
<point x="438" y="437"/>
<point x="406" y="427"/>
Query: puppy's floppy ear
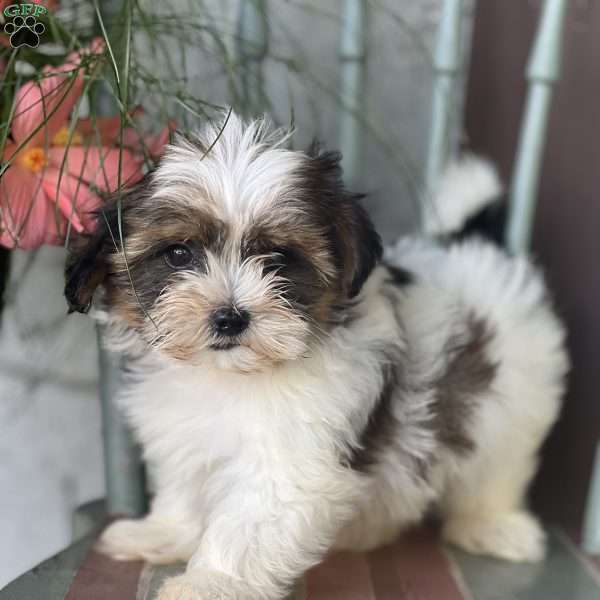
<point x="363" y="249"/>
<point x="356" y="245"/>
<point x="87" y="264"/>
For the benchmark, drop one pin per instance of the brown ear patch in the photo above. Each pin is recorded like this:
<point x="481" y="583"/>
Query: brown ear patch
<point x="88" y="264"/>
<point x="355" y="245"/>
<point x="86" y="268"/>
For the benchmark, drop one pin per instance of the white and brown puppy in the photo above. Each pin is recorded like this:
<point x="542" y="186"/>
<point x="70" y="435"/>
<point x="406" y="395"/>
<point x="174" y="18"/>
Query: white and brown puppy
<point x="293" y="393"/>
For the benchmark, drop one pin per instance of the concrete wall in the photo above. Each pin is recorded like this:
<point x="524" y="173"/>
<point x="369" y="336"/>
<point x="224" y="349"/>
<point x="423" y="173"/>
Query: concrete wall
<point x="50" y="453"/>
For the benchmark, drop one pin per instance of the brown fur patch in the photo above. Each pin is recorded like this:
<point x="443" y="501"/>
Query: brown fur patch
<point x="151" y="226"/>
<point x="298" y="253"/>
<point x="354" y="244"/>
<point x="382" y="426"/>
<point x="468" y="374"/>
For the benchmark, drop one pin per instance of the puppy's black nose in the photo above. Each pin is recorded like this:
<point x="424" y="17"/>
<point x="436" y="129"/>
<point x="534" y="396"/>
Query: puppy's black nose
<point x="230" y="321"/>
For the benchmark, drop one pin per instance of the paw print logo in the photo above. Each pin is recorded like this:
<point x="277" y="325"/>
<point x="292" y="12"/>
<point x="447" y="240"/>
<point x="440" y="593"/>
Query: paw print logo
<point x="24" y="31"/>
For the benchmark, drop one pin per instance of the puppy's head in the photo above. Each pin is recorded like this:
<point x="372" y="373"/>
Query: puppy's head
<point x="234" y="250"/>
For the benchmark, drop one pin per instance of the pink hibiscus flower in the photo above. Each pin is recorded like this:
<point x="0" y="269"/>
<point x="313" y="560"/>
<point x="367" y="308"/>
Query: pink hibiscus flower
<point x="54" y="175"/>
<point x="108" y="131"/>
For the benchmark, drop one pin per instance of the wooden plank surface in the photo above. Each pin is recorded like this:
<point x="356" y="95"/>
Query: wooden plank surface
<point x="417" y="567"/>
<point x="341" y="577"/>
<point x="100" y="578"/>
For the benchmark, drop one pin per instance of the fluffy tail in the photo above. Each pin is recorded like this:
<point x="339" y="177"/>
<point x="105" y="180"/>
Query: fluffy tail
<point x="467" y="202"/>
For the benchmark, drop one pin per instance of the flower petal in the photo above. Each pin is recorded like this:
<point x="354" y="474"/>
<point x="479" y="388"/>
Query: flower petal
<point x="98" y="166"/>
<point x="27" y="218"/>
<point x="50" y="100"/>
<point x="9" y="150"/>
<point x="157" y="142"/>
<point x="74" y="198"/>
<point x="77" y="57"/>
<point x="151" y="145"/>
<point x="107" y="129"/>
<point x="47" y="103"/>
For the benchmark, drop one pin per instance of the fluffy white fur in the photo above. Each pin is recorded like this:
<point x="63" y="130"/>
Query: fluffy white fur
<point x="466" y="187"/>
<point x="238" y="173"/>
<point x="250" y="489"/>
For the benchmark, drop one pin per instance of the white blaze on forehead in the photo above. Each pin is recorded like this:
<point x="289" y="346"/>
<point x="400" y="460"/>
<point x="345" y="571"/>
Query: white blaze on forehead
<point x="241" y="283"/>
<point x="245" y="172"/>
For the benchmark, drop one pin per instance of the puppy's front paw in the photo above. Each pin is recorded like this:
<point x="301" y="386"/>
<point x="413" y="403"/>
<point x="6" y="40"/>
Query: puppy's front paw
<point x="514" y="536"/>
<point x="144" y="539"/>
<point x="200" y="584"/>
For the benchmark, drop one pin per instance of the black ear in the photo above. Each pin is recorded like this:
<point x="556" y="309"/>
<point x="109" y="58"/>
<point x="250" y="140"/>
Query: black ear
<point x="87" y="264"/>
<point x="357" y="246"/>
<point x="365" y="246"/>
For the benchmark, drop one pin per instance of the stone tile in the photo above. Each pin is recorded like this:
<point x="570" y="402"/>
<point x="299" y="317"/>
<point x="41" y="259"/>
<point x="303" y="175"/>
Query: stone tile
<point x="561" y="576"/>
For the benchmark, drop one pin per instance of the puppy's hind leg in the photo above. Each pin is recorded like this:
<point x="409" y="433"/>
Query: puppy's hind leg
<point x="485" y="512"/>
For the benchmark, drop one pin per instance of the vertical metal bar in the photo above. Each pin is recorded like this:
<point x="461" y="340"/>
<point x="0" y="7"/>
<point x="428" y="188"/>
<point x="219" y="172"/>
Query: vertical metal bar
<point x="543" y="72"/>
<point x="252" y="48"/>
<point x="122" y="465"/>
<point x="591" y="524"/>
<point x="353" y="66"/>
<point x="124" y="474"/>
<point x="446" y="64"/>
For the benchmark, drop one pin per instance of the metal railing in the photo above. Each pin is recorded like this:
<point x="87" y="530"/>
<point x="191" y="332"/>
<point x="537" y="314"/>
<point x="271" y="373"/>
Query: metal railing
<point x="543" y="72"/>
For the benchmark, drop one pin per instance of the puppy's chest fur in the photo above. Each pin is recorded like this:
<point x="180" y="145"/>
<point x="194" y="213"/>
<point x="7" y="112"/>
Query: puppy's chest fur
<point x="319" y="403"/>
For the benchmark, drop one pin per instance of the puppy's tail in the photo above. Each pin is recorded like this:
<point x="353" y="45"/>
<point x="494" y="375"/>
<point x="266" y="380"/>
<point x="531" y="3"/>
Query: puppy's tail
<point x="467" y="202"/>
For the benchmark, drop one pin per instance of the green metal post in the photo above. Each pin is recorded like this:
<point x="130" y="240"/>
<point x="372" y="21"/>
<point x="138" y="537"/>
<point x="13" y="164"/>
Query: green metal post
<point x="591" y="524"/>
<point x="125" y="494"/>
<point x="353" y="66"/>
<point x="543" y="72"/>
<point x="252" y="48"/>
<point x="124" y="473"/>
<point x="446" y="64"/>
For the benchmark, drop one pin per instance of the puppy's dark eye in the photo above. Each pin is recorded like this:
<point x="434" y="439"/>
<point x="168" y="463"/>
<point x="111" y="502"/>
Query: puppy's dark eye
<point x="178" y="256"/>
<point x="278" y="258"/>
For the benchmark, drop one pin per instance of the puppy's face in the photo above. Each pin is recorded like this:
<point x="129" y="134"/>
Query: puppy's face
<point x="236" y="252"/>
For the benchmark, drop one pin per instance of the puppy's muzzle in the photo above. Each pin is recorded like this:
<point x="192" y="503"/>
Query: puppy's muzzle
<point x="230" y="321"/>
